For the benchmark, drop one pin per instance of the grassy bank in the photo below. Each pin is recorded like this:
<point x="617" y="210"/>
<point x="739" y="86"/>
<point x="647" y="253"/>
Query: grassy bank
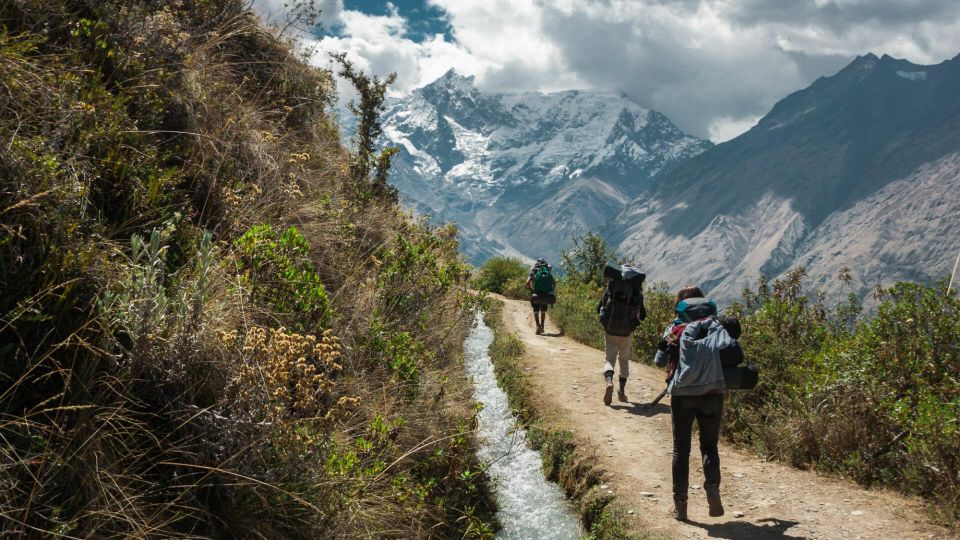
<point x="565" y="462"/>
<point x="822" y="364"/>
<point x="216" y="321"/>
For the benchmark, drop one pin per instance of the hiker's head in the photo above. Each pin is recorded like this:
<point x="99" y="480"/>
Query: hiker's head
<point x="690" y="291"/>
<point x="541" y="260"/>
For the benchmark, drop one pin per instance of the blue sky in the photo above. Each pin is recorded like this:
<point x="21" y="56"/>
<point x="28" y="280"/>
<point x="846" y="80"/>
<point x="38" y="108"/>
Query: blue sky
<point x="714" y="67"/>
<point x="424" y="20"/>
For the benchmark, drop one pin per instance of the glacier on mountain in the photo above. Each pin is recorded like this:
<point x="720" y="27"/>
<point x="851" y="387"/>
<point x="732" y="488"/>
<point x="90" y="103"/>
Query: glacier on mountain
<point x="494" y="162"/>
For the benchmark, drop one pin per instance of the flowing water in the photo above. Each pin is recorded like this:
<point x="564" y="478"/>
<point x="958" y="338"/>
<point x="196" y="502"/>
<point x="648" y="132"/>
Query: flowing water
<point x="530" y="506"/>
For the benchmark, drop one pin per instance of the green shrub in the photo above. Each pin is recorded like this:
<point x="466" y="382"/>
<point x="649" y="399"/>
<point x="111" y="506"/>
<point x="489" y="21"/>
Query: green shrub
<point x="896" y="372"/>
<point x="660" y="304"/>
<point x="575" y="311"/>
<point x="277" y="268"/>
<point x="516" y="288"/>
<point x="499" y="273"/>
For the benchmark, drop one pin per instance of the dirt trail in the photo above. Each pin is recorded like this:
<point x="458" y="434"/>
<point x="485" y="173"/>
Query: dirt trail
<point x="763" y="500"/>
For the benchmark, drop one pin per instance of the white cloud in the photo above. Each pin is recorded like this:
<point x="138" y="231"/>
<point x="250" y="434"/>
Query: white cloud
<point x="507" y="37"/>
<point x="725" y="128"/>
<point x="712" y="66"/>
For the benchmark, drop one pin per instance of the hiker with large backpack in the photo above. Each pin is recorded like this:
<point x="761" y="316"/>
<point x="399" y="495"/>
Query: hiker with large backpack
<point x="543" y="291"/>
<point x="620" y="310"/>
<point x="691" y="350"/>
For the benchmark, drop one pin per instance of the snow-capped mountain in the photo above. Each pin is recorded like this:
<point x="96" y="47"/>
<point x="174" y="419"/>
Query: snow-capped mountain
<point x="861" y="169"/>
<point x="521" y="172"/>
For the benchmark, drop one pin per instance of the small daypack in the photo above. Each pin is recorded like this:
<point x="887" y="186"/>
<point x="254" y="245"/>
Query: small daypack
<point x="542" y="280"/>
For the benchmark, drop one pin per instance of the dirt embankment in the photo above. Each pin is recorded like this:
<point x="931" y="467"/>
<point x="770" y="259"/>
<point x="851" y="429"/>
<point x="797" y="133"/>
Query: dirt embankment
<point x="763" y="499"/>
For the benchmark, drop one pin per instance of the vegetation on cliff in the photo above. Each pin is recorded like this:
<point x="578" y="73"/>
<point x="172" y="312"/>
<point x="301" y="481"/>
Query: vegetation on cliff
<point x="215" y="321"/>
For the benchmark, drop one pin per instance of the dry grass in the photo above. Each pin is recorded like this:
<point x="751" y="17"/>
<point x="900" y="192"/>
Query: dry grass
<point x="149" y="390"/>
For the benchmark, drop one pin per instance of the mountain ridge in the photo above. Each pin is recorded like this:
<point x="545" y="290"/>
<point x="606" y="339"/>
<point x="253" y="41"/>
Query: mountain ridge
<point x="816" y="155"/>
<point x="495" y="162"/>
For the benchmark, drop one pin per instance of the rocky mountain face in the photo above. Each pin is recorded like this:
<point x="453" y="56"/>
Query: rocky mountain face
<point x="861" y="169"/>
<point x="521" y="172"/>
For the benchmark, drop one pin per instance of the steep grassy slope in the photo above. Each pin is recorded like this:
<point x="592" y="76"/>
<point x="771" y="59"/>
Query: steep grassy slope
<point x="208" y="329"/>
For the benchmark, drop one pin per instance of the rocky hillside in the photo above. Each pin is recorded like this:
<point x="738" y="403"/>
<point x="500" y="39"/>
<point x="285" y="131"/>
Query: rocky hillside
<point x="858" y="170"/>
<point x="520" y="172"/>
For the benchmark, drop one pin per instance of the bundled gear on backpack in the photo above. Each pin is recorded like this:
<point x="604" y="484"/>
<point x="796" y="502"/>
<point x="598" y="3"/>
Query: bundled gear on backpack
<point x="621" y="308"/>
<point x="694" y="309"/>
<point x="542" y="284"/>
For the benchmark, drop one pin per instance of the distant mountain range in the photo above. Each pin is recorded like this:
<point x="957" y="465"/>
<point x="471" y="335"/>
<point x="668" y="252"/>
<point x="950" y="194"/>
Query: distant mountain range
<point x="521" y="172"/>
<point x="861" y="169"/>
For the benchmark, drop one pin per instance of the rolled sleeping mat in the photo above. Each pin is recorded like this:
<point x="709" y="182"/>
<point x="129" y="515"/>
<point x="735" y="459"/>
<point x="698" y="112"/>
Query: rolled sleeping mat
<point x="612" y="272"/>
<point x="694" y="309"/>
<point x="741" y="378"/>
<point x="544" y="298"/>
<point x="632" y="274"/>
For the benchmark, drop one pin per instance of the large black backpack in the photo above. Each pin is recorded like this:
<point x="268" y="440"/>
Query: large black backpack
<point x="624" y="302"/>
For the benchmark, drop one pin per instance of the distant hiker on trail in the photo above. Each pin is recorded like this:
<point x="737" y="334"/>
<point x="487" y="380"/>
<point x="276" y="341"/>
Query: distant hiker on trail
<point x="543" y="291"/>
<point x="621" y="310"/>
<point x="690" y="347"/>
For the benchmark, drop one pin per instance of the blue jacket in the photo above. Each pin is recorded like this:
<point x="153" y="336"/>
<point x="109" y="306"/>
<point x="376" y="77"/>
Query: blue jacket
<point x="699" y="370"/>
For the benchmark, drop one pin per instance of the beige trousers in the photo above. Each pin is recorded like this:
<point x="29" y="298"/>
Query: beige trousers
<point x="618" y="346"/>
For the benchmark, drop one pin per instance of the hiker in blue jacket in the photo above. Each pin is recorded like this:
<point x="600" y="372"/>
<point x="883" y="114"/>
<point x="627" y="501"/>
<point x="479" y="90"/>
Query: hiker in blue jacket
<point x="696" y="388"/>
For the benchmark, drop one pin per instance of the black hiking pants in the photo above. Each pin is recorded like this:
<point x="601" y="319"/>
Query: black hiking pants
<point x="707" y="410"/>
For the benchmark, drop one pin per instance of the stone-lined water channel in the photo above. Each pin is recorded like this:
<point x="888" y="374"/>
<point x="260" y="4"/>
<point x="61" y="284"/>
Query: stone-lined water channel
<point x="530" y="507"/>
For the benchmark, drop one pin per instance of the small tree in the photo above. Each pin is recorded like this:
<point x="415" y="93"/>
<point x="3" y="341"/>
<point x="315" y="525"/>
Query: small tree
<point x="301" y="15"/>
<point x="365" y="160"/>
<point x="497" y="273"/>
<point x="587" y="257"/>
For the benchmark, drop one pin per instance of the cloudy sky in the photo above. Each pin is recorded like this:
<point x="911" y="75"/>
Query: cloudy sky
<point x="712" y="66"/>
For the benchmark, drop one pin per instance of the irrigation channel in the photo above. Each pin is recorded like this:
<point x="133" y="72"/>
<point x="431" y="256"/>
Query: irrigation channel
<point x="530" y="507"/>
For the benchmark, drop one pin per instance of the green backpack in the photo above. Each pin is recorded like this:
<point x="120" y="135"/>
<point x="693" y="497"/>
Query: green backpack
<point x="542" y="280"/>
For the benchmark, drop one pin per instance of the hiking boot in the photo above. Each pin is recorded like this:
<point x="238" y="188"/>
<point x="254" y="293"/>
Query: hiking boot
<point x="679" y="512"/>
<point x="539" y="330"/>
<point x="713" y="499"/>
<point x="622" y="396"/>
<point x="608" y="394"/>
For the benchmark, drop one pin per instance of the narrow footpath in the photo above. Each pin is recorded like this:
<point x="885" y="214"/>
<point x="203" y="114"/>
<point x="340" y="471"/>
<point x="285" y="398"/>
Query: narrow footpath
<point x="763" y="500"/>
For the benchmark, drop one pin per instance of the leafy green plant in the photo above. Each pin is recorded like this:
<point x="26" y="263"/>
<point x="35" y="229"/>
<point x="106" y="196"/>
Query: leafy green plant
<point x="277" y="268"/>
<point x="403" y="354"/>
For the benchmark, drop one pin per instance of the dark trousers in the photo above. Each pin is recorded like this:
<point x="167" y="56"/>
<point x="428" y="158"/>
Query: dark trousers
<point x="707" y="410"/>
